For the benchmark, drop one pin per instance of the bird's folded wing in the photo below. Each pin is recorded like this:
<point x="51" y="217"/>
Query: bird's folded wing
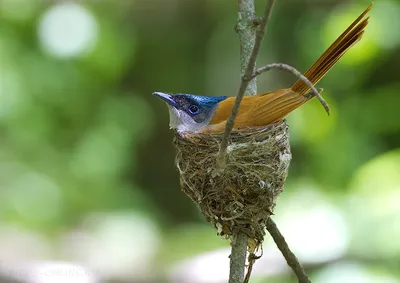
<point x="274" y="107"/>
<point x="258" y="110"/>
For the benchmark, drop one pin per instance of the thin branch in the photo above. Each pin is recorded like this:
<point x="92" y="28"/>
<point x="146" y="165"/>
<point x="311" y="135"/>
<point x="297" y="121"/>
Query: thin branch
<point x="250" y="40"/>
<point x="238" y="258"/>
<point x="249" y="270"/>
<point x="246" y="28"/>
<point x="292" y="70"/>
<point x="246" y="78"/>
<point x="289" y="256"/>
<point x="251" y="259"/>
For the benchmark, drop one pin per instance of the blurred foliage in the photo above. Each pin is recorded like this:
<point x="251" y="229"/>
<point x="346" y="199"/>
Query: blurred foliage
<point x="81" y="133"/>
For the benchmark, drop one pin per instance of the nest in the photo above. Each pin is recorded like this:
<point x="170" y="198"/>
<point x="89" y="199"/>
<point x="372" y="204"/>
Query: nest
<point x="242" y="196"/>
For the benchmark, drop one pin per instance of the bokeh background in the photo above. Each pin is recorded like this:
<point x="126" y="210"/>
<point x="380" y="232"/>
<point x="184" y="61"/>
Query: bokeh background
<point x="88" y="187"/>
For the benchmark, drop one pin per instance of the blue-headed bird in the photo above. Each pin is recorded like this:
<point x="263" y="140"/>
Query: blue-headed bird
<point x="195" y="113"/>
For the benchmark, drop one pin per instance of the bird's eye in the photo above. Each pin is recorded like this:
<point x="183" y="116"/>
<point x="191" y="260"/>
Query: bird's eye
<point x="194" y="109"/>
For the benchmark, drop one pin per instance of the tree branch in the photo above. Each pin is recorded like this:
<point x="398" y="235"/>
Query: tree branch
<point x="246" y="28"/>
<point x="250" y="40"/>
<point x="289" y="256"/>
<point x="250" y="46"/>
<point x="246" y="78"/>
<point x="292" y="70"/>
<point x="238" y="258"/>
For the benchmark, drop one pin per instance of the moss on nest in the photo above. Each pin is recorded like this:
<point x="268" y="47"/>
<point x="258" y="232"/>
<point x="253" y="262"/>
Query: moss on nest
<point x="242" y="196"/>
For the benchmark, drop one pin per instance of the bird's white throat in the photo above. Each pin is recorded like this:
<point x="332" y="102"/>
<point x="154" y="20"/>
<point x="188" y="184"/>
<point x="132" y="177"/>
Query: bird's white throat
<point x="182" y="122"/>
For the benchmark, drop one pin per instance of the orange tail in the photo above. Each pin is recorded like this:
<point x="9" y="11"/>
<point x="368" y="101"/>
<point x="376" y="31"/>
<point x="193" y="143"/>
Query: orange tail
<point x="338" y="48"/>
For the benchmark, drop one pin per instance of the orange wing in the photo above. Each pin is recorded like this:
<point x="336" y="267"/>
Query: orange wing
<point x="273" y="100"/>
<point x="270" y="107"/>
<point x="266" y="112"/>
<point x="263" y="109"/>
<point x="225" y="108"/>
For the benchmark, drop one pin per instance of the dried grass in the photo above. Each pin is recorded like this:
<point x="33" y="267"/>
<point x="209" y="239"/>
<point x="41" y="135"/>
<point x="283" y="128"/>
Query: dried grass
<point x="242" y="196"/>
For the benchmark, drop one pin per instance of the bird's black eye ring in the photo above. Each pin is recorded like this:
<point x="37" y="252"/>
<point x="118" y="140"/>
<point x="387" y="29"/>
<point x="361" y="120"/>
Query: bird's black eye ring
<point x="194" y="109"/>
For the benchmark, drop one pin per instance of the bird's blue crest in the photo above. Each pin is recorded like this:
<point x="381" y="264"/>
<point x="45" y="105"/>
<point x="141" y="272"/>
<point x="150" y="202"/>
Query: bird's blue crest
<point x="209" y="101"/>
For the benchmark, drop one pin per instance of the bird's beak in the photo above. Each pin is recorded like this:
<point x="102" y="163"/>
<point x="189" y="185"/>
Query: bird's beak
<point x="165" y="97"/>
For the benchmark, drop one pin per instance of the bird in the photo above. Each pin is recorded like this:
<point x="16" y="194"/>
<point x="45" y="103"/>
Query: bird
<point x="191" y="113"/>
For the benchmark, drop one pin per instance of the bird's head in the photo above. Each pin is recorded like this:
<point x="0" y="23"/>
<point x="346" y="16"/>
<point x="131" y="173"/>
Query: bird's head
<point x="188" y="112"/>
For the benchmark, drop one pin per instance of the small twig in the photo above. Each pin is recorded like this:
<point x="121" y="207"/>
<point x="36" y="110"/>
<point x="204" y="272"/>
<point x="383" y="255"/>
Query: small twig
<point x="249" y="270"/>
<point x="251" y="259"/>
<point x="290" y="258"/>
<point x="238" y="258"/>
<point x="257" y="21"/>
<point x="292" y="70"/>
<point x="246" y="78"/>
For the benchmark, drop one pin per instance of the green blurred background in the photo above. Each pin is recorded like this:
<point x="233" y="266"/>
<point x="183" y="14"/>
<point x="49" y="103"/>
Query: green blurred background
<point x="88" y="187"/>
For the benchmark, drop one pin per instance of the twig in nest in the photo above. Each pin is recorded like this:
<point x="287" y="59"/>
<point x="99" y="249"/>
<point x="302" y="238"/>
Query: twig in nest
<point x="292" y="70"/>
<point x="249" y="270"/>
<point x="251" y="259"/>
<point x="290" y="258"/>
<point x="246" y="78"/>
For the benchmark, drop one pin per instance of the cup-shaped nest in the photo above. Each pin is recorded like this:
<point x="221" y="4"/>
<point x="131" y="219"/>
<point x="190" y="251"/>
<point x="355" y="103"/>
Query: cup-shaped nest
<point x="241" y="196"/>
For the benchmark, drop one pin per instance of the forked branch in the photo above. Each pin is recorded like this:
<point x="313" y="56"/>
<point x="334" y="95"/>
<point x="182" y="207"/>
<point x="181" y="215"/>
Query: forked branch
<point x="240" y="241"/>
<point x="246" y="78"/>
